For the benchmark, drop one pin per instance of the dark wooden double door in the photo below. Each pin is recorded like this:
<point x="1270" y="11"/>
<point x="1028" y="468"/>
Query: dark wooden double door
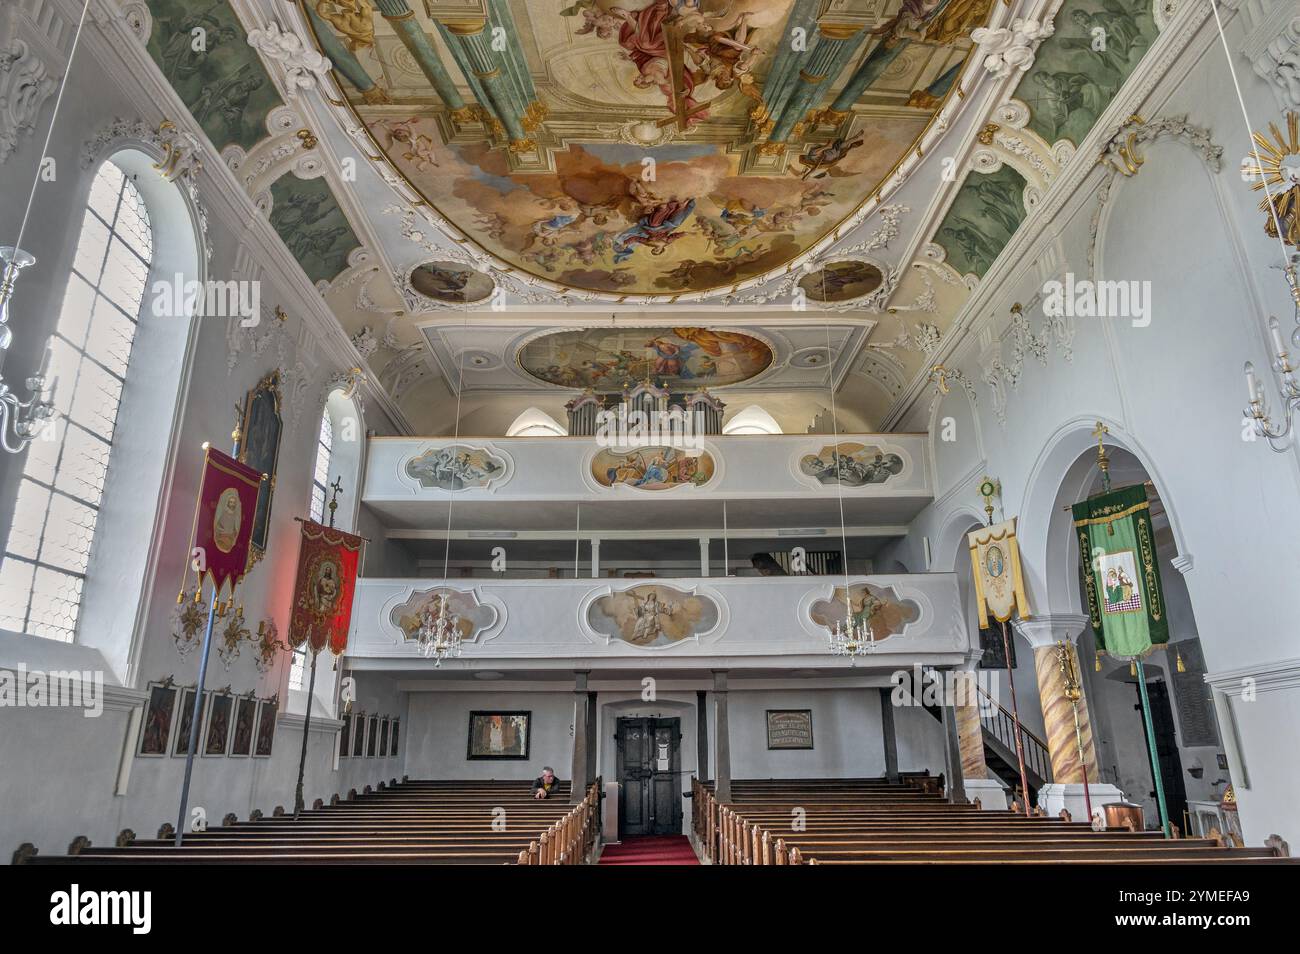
<point x="649" y="776"/>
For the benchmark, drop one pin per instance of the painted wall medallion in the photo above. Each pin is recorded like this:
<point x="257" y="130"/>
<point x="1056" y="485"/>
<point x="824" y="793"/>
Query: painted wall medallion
<point x="842" y="281"/>
<point x="877" y="606"/>
<point x="467" y="614"/>
<point x="652" y="615"/>
<point x="450" y="283"/>
<point x="652" y="468"/>
<point x="852" y="464"/>
<point x="680" y="359"/>
<point x="456" y="467"/>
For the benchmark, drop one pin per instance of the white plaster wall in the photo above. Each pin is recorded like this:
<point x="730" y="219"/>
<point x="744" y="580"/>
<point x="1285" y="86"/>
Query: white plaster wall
<point x="1171" y="393"/>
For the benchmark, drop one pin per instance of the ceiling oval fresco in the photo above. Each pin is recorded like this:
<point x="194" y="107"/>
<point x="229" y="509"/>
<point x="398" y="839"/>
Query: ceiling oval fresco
<point x="646" y="147"/>
<point x="680" y="359"/>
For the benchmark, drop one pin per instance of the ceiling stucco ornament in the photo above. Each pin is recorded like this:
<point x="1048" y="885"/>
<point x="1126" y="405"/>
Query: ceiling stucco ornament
<point x="1008" y="141"/>
<point x="1010" y="49"/>
<point x="177" y="155"/>
<point x="943" y="378"/>
<point x="25" y="85"/>
<point x="1123" y="156"/>
<point x="299" y="65"/>
<point x="1279" y="65"/>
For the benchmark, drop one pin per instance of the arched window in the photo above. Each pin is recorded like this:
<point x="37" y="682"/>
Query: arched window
<point x="320" y="481"/>
<point x="64" y="475"/>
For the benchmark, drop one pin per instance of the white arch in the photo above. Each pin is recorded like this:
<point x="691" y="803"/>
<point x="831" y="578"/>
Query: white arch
<point x="752" y="420"/>
<point x="534" y="422"/>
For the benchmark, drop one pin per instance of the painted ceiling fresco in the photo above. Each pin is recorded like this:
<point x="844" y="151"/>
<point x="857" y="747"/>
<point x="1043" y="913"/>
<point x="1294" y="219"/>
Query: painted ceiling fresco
<point x="680" y="359"/>
<point x="646" y="146"/>
<point x="1076" y="73"/>
<point x="307" y="217"/>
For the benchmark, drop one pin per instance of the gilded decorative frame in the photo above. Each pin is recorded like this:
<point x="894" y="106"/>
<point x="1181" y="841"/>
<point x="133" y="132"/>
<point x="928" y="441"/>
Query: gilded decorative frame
<point x="262" y="409"/>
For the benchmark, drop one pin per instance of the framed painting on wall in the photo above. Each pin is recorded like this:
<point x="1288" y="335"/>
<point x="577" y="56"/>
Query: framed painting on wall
<point x="345" y="738"/>
<point x="216" y="739"/>
<point x="159" y="717"/>
<point x="392" y="740"/>
<point x="789" y="729"/>
<point x="359" y="735"/>
<point x="260" y="449"/>
<point x="241" y="741"/>
<point x="499" y="735"/>
<point x="181" y="744"/>
<point x="372" y="737"/>
<point x="266" y="728"/>
<point x="383" y="737"/>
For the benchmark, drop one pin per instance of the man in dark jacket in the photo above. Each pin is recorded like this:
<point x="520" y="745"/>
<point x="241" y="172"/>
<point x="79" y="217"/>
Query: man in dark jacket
<point x="544" y="783"/>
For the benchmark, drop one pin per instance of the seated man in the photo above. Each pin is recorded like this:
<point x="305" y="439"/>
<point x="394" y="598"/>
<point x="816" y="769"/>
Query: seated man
<point x="543" y="784"/>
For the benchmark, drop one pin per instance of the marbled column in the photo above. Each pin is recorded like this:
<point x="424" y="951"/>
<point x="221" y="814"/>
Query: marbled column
<point x="970" y="734"/>
<point x="722" y="775"/>
<point x="581" y="779"/>
<point x="1043" y="633"/>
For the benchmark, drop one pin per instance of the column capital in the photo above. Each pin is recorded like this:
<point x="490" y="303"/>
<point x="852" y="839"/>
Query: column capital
<point x="720" y="680"/>
<point x="580" y="679"/>
<point x="1046" y="629"/>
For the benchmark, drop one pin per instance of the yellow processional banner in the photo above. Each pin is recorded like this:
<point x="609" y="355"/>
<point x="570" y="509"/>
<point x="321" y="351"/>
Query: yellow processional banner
<point x="995" y="563"/>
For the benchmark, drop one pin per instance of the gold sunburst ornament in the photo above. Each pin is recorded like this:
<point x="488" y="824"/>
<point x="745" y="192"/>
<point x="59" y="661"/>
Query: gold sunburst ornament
<point x="1274" y="166"/>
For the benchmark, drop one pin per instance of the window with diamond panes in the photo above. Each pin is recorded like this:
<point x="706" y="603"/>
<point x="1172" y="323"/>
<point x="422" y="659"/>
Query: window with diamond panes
<point x="46" y="554"/>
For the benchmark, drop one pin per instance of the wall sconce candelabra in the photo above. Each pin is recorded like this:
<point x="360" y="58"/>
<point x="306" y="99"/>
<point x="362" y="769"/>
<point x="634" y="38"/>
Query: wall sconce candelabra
<point x="1257" y="412"/>
<point x="21" y="421"/>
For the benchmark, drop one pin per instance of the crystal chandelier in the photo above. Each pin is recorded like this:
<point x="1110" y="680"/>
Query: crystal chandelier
<point x="852" y="638"/>
<point x="20" y="421"/>
<point x="438" y="636"/>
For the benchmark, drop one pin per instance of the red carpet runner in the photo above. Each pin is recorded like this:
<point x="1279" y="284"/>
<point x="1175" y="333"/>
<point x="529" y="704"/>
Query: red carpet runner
<point x="650" y="850"/>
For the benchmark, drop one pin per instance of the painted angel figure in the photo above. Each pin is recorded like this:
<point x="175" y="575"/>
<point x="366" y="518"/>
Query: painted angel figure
<point x="648" y="608"/>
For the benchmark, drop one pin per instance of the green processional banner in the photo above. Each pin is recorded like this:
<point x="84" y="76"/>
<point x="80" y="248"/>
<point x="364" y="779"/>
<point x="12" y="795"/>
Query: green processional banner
<point x="1120" y="575"/>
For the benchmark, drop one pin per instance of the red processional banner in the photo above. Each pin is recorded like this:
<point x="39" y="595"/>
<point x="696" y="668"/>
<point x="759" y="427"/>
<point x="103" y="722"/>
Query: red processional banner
<point x="322" y="594"/>
<point x="223" y="519"/>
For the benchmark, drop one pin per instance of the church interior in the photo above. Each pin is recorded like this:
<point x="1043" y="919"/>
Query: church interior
<point x="649" y="432"/>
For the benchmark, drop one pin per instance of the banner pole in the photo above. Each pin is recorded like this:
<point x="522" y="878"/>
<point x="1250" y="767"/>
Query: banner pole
<point x="1015" y="713"/>
<point x="1083" y="761"/>
<point x="306" y="733"/>
<point x="1151" y="746"/>
<point x="196" y="717"/>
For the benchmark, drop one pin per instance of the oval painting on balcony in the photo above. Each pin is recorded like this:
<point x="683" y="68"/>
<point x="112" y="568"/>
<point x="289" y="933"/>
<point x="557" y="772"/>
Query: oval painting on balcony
<point x="611" y="359"/>
<point x="652" y="468"/>
<point x="652" y="615"/>
<point x="877" y="605"/>
<point x="852" y="464"/>
<point x="467" y="614"/>
<point x="455" y="467"/>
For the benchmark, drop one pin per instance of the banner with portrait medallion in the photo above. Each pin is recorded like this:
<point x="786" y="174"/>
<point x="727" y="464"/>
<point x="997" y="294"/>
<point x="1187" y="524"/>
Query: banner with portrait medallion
<point x="223" y="519"/>
<point x="328" y="562"/>
<point x="995" y="563"/>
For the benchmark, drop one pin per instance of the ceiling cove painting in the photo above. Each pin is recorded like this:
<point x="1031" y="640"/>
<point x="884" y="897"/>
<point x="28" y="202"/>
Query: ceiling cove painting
<point x="981" y="220"/>
<point x="646" y="147"/>
<point x="1075" y="75"/>
<point x="203" y="52"/>
<point x="307" y="217"/>
<point x="679" y="359"/>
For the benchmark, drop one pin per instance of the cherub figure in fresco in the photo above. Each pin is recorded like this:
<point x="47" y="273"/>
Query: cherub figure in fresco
<point x="826" y="158"/>
<point x="547" y="231"/>
<point x="718" y="55"/>
<point x="413" y="146"/>
<point x="597" y="21"/>
<point x="353" y="19"/>
<point x="741" y="214"/>
<point x="491" y="224"/>
<point x="657" y="229"/>
<point x="586" y="250"/>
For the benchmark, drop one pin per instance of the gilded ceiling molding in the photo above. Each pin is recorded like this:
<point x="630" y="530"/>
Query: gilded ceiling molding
<point x="1123" y="155"/>
<point x="290" y="147"/>
<point x="1004" y="139"/>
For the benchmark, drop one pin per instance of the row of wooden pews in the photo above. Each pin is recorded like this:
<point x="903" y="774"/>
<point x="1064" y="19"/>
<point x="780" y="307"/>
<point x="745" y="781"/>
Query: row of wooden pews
<point x="874" y="821"/>
<point x="411" y="822"/>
